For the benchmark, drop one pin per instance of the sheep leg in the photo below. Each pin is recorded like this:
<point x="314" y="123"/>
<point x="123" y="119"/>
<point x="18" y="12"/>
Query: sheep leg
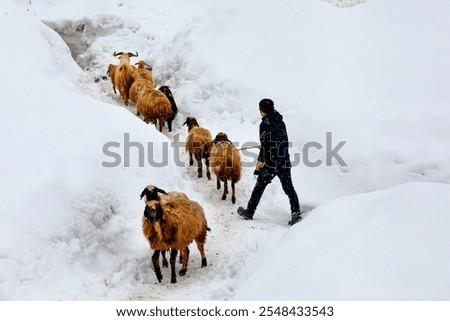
<point x="173" y="258"/>
<point x="185" y="254"/>
<point x="155" y="261"/>
<point x="160" y="123"/>
<point x="164" y="260"/>
<point x="199" y="169"/>
<point x="200" y="245"/>
<point x="218" y="183"/>
<point x="233" y="190"/>
<point x="208" y="173"/>
<point x="191" y="159"/>
<point x="169" y="124"/>
<point x="181" y="255"/>
<point x="225" y="190"/>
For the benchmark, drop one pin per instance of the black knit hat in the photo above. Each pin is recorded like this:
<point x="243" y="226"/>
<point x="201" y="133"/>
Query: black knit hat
<point x="266" y="105"/>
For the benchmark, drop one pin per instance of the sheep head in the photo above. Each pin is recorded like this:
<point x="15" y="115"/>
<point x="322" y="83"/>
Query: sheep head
<point x="125" y="56"/>
<point x="142" y="64"/>
<point x="191" y="122"/>
<point x="129" y="54"/>
<point x="153" y="211"/>
<point x="166" y="90"/>
<point x="151" y="192"/>
<point x="221" y="137"/>
<point x="111" y="68"/>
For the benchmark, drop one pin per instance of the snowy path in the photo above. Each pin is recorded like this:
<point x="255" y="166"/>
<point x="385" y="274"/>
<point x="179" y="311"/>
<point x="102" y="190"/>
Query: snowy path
<point x="233" y="247"/>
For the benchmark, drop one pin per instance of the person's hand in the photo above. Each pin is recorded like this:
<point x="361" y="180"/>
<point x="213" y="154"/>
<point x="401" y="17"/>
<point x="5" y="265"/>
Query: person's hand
<point x="259" y="165"/>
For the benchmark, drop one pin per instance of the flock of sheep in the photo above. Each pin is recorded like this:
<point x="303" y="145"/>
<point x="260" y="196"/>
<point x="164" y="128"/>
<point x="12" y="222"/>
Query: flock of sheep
<point x="136" y="84"/>
<point x="172" y="221"/>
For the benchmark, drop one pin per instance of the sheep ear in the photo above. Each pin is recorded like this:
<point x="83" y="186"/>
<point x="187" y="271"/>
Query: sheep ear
<point x="144" y="192"/>
<point x="160" y="191"/>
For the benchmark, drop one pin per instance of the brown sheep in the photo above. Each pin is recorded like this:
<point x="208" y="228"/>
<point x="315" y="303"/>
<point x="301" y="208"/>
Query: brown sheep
<point x="198" y="143"/>
<point x="138" y="86"/>
<point x="124" y="74"/>
<point x="173" y="222"/>
<point x="112" y="73"/>
<point x="225" y="162"/>
<point x="151" y="193"/>
<point x="143" y="71"/>
<point x="154" y="106"/>
<point x="142" y="79"/>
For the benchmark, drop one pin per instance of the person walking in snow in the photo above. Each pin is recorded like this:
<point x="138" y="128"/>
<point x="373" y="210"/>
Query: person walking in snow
<point x="273" y="160"/>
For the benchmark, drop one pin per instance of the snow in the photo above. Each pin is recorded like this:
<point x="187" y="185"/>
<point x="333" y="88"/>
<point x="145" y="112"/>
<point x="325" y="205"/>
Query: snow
<point x="359" y="247"/>
<point x="374" y="74"/>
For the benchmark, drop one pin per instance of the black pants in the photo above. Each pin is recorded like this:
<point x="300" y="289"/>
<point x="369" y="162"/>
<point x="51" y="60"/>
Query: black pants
<point x="265" y="177"/>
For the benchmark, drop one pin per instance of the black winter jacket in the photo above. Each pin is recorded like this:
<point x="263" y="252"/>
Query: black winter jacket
<point x="274" y="141"/>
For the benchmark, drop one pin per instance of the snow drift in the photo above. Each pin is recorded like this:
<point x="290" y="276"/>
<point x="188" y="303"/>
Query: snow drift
<point x="384" y="245"/>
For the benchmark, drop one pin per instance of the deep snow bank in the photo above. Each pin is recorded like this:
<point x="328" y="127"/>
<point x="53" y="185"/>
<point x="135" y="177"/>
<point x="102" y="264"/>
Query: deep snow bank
<point x="372" y="75"/>
<point x="386" y="245"/>
<point x="70" y="227"/>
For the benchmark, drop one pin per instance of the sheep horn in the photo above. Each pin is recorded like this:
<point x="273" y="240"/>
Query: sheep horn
<point x="132" y="54"/>
<point x="160" y="190"/>
<point x="117" y="53"/>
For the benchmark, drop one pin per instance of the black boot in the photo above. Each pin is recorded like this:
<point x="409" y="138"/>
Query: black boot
<point x="296" y="217"/>
<point x="245" y="213"/>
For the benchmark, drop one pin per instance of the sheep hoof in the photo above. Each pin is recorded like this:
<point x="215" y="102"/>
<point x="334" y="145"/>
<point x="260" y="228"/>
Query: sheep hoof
<point x="191" y="162"/>
<point x="233" y="199"/>
<point x="173" y="280"/>
<point x="204" y="263"/>
<point x="209" y="176"/>
<point x="224" y="197"/>
<point x="158" y="276"/>
<point x="165" y="264"/>
<point x="182" y="272"/>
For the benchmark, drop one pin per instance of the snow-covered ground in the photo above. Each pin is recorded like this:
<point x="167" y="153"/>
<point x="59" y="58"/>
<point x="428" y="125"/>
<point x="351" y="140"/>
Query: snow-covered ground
<point x="372" y="73"/>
